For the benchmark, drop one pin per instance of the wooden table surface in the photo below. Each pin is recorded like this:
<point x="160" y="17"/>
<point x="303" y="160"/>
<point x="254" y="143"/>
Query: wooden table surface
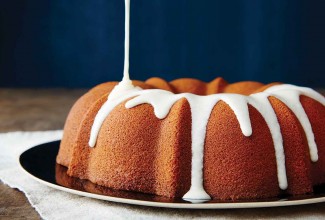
<point x="30" y="110"/>
<point x="44" y="109"/>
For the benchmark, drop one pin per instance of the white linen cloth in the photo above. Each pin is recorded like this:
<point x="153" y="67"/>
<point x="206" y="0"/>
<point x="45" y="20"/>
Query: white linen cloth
<point x="55" y="204"/>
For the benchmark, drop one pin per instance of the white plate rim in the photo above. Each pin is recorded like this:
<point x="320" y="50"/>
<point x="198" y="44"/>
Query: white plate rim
<point x="225" y="205"/>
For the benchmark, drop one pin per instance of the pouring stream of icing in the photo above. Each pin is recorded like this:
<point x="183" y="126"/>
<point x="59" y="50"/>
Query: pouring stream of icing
<point x="125" y="86"/>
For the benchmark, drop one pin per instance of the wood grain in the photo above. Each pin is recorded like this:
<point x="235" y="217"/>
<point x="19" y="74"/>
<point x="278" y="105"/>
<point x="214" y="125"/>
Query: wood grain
<point x="30" y="110"/>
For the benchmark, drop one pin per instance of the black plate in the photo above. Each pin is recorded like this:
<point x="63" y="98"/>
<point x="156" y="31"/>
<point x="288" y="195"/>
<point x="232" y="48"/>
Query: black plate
<point x="39" y="162"/>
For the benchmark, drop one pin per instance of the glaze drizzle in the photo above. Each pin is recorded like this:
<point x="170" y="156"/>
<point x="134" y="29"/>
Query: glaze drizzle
<point x="201" y="107"/>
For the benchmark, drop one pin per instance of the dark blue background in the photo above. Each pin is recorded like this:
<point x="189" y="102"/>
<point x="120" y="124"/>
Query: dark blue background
<point x="73" y="43"/>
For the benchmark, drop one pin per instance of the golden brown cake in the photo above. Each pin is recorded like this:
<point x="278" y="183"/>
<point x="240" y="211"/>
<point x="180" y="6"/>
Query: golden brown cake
<point x="196" y="140"/>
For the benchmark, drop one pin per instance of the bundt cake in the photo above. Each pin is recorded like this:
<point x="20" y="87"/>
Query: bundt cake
<point x="197" y="140"/>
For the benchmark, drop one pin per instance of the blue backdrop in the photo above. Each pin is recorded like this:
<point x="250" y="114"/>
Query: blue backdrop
<point x="73" y="43"/>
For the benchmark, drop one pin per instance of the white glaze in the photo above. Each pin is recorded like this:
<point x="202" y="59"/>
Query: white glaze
<point x="126" y="75"/>
<point x="125" y="86"/>
<point x="104" y="111"/>
<point x="261" y="103"/>
<point x="290" y="96"/>
<point x="201" y="107"/>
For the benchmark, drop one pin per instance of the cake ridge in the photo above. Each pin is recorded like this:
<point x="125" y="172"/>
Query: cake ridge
<point x="201" y="107"/>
